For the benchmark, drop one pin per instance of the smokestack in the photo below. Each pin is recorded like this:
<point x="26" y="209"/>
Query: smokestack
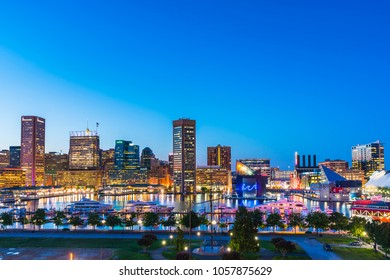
<point x="303" y="160"/>
<point x="309" y="160"/>
<point x="315" y="160"/>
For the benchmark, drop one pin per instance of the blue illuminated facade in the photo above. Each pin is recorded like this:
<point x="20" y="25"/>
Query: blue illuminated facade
<point x="250" y="186"/>
<point x="126" y="155"/>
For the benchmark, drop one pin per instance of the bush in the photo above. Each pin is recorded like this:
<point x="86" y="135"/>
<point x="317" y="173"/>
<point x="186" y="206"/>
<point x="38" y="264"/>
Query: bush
<point x="231" y="256"/>
<point x="150" y="236"/>
<point x="308" y="232"/>
<point x="276" y="240"/>
<point x="182" y="256"/>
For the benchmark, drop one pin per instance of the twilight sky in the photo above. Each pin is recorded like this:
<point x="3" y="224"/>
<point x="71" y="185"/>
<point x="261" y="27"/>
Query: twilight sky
<point x="266" y="77"/>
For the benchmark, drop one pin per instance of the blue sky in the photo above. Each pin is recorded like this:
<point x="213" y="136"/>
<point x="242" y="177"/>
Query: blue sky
<point x="266" y="77"/>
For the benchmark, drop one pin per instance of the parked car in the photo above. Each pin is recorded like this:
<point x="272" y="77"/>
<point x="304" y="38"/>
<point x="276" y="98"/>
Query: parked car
<point x="356" y="243"/>
<point x="327" y="247"/>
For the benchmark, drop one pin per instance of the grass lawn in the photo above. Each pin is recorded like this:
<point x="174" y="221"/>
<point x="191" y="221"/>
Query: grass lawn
<point x="347" y="253"/>
<point x="335" y="239"/>
<point x="127" y="249"/>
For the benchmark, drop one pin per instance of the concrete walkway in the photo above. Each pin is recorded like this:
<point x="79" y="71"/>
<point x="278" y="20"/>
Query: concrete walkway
<point x="157" y="254"/>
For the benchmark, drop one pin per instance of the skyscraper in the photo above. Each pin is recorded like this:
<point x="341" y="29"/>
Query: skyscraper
<point x="220" y="156"/>
<point x="84" y="150"/>
<point x="32" y="155"/>
<point x="369" y="158"/>
<point x="147" y="158"/>
<point x="126" y="155"/>
<point x="4" y="158"/>
<point x="184" y="155"/>
<point x="14" y="156"/>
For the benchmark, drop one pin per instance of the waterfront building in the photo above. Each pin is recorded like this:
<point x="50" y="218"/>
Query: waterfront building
<point x="184" y="155"/>
<point x="85" y="178"/>
<point x="14" y="156"/>
<point x="254" y="166"/>
<point x="54" y="162"/>
<point x="170" y="162"/>
<point x="214" y="177"/>
<point x="369" y="158"/>
<point x="160" y="173"/>
<point x="337" y="165"/>
<point x="128" y="176"/>
<point x="220" y="156"/>
<point x="84" y="150"/>
<point x="334" y="187"/>
<point x="4" y="158"/>
<point x="32" y="151"/>
<point x="107" y="163"/>
<point x="126" y="155"/>
<point x="12" y="177"/>
<point x="305" y="173"/>
<point x="147" y="158"/>
<point x="379" y="180"/>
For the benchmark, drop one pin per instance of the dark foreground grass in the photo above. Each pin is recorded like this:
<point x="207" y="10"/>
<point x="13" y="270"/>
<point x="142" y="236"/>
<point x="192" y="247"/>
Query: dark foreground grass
<point x="335" y="239"/>
<point x="347" y="253"/>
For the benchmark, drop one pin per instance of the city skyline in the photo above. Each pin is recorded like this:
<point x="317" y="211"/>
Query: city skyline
<point x="266" y="79"/>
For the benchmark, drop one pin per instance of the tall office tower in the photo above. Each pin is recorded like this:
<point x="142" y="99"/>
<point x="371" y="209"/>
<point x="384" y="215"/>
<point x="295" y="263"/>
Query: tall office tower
<point x="107" y="162"/>
<point x="257" y="166"/>
<point x="56" y="162"/>
<point x="220" y="156"/>
<point x="184" y="155"/>
<point x="369" y="158"/>
<point x="14" y="156"/>
<point x="4" y="158"/>
<point x="32" y="151"/>
<point x="126" y="155"/>
<point x="84" y="150"/>
<point x="170" y="162"/>
<point x="147" y="158"/>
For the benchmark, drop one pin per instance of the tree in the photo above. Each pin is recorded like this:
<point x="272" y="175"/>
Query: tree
<point x="151" y="219"/>
<point x="130" y="223"/>
<point x="76" y="221"/>
<point x="6" y="219"/>
<point x="318" y="220"/>
<point x="273" y="220"/>
<point x="145" y="243"/>
<point x="59" y="216"/>
<point x="244" y="232"/>
<point x="296" y="220"/>
<point x="195" y="221"/>
<point x="338" y="222"/>
<point x="373" y="232"/>
<point x="283" y="246"/>
<point x="257" y="217"/>
<point x="357" y="226"/>
<point x="39" y="218"/>
<point x="384" y="237"/>
<point x="231" y="256"/>
<point x="203" y="220"/>
<point x="170" y="222"/>
<point x="94" y="219"/>
<point x="113" y="221"/>
<point x="180" y="242"/>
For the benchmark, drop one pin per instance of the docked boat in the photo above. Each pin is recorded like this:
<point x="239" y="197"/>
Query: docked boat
<point x="7" y="197"/>
<point x="327" y="210"/>
<point x="28" y="196"/>
<point x="146" y="207"/>
<point x="283" y="207"/>
<point x="86" y="205"/>
<point x="374" y="208"/>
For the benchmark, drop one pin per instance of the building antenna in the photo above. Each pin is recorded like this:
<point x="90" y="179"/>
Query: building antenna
<point x="97" y="125"/>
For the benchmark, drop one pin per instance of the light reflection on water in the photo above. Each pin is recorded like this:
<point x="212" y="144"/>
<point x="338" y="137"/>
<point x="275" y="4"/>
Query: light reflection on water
<point x="200" y="202"/>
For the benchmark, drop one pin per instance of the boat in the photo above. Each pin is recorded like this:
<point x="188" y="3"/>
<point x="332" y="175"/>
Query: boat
<point x="283" y="207"/>
<point x="375" y="208"/>
<point x="28" y="196"/>
<point x="139" y="206"/>
<point x="7" y="197"/>
<point x="327" y="210"/>
<point x="86" y="205"/>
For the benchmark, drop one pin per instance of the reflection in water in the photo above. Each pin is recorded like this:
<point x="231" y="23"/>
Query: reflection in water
<point x="199" y="202"/>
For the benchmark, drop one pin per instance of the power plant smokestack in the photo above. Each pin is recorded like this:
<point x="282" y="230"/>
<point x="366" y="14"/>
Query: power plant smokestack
<point x="315" y="160"/>
<point x="303" y="160"/>
<point x="309" y="160"/>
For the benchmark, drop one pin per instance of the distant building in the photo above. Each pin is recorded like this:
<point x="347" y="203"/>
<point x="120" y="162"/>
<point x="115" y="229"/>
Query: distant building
<point x="220" y="156"/>
<point x="369" y="158"/>
<point x="107" y="164"/>
<point x="32" y="154"/>
<point x="213" y="177"/>
<point x="256" y="166"/>
<point x="184" y="156"/>
<point x="305" y="172"/>
<point x="12" y="177"/>
<point x="170" y="162"/>
<point x="84" y="150"/>
<point x="126" y="155"/>
<point x="85" y="178"/>
<point x="147" y="158"/>
<point x="336" y="165"/>
<point x="4" y="158"/>
<point x="334" y="187"/>
<point x="54" y="162"/>
<point x="14" y="156"/>
<point x="128" y="176"/>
